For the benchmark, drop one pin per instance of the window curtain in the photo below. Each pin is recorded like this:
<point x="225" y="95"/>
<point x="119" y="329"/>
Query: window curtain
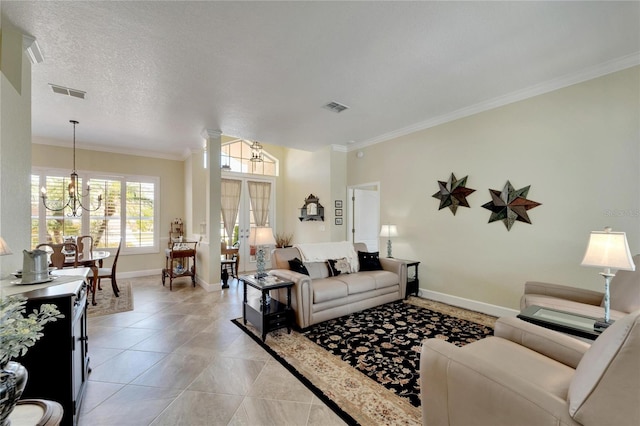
<point x="260" y="193"/>
<point x="230" y="201"/>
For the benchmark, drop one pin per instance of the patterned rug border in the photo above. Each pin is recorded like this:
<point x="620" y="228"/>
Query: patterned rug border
<point x="466" y="314"/>
<point x="332" y="380"/>
<point x="107" y="303"/>
<point x="252" y="332"/>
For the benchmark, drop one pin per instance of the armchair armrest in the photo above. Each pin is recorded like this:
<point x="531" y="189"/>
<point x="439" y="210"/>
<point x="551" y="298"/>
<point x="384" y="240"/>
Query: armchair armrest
<point x="575" y="294"/>
<point x="461" y="388"/>
<point x="555" y="345"/>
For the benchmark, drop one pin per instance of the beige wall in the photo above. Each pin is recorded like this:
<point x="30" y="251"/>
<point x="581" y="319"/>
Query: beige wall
<point x="15" y="152"/>
<point x="577" y="147"/>
<point x="308" y="173"/>
<point x="172" y="187"/>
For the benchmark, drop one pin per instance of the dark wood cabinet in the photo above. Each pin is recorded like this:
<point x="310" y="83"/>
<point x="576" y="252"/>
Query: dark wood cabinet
<point x="58" y="364"/>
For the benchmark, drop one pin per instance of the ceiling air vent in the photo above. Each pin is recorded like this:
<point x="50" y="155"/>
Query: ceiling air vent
<point x="61" y="90"/>
<point x="335" y="107"/>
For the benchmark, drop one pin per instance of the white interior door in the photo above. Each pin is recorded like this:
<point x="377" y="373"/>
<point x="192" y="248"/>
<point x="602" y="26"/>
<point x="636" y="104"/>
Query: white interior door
<point x="364" y="221"/>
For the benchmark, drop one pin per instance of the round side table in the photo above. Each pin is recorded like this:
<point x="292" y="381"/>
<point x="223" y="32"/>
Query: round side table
<point x="38" y="412"/>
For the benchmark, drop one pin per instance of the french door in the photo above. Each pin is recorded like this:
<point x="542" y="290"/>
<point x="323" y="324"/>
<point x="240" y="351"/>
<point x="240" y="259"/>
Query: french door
<point x="246" y="220"/>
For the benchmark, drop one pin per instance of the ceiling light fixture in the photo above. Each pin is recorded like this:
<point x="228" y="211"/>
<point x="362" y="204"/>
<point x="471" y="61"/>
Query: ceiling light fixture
<point x="74" y="202"/>
<point x="256" y="152"/>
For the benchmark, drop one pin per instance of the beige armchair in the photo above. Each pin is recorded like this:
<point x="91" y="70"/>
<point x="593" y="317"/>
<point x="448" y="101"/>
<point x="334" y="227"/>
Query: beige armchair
<point x="529" y="375"/>
<point x="624" y="295"/>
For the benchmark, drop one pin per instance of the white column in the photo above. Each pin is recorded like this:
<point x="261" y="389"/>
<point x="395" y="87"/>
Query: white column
<point x="212" y="144"/>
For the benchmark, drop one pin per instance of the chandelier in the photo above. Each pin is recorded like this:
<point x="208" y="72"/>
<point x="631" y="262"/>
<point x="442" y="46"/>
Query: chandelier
<point x="256" y="152"/>
<point x="74" y="202"/>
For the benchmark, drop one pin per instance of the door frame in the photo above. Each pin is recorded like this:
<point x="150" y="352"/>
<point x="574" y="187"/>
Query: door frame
<point x="351" y="209"/>
<point x="248" y="262"/>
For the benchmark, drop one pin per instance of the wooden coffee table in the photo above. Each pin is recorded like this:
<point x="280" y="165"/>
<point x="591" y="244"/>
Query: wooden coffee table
<point x="565" y="322"/>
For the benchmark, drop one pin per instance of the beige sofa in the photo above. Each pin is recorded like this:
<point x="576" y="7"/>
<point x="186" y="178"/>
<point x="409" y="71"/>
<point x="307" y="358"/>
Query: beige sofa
<point x="624" y="295"/>
<point x="529" y="375"/>
<point x="318" y="297"/>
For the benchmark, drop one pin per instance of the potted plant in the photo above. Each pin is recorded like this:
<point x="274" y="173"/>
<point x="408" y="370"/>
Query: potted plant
<point x="283" y="240"/>
<point x="18" y="332"/>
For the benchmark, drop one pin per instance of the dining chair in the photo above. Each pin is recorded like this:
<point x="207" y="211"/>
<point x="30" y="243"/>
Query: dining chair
<point x="84" y="240"/>
<point x="109" y="273"/>
<point x="57" y="256"/>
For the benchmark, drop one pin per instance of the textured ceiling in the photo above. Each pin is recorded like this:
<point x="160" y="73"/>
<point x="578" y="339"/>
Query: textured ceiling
<point x="158" y="73"/>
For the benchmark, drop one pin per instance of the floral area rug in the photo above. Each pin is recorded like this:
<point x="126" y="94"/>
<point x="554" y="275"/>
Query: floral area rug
<point x="365" y="366"/>
<point x="107" y="303"/>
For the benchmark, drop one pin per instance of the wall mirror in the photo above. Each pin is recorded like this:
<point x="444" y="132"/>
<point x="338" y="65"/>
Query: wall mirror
<point x="312" y="209"/>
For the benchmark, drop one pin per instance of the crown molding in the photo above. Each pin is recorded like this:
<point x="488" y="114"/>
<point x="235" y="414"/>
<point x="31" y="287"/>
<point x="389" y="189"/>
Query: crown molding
<point x="111" y="149"/>
<point x="590" y="73"/>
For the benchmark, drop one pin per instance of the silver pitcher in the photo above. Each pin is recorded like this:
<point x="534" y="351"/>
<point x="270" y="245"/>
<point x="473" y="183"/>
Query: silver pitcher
<point x="35" y="266"/>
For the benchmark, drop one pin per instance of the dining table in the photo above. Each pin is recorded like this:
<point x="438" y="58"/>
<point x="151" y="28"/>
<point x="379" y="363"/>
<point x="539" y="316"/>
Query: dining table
<point x="91" y="259"/>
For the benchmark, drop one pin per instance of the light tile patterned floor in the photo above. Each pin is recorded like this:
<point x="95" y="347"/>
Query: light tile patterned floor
<point x="177" y="359"/>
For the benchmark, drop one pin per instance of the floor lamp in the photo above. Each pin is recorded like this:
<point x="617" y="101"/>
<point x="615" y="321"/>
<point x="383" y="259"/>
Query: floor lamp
<point x="608" y="250"/>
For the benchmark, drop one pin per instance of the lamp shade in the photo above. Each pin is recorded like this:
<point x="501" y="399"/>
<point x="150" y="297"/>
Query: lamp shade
<point x="608" y="250"/>
<point x="262" y="236"/>
<point x="389" y="231"/>
<point x="4" y="248"/>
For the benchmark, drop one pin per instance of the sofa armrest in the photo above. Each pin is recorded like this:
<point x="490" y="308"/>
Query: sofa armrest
<point x="575" y="294"/>
<point x="398" y="267"/>
<point x="560" y="347"/>
<point x="460" y="388"/>
<point x="301" y="294"/>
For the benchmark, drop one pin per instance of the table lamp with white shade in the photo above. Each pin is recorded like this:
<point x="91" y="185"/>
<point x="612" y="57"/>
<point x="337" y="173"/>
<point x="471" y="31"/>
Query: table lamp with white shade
<point x="608" y="250"/>
<point x="261" y="236"/>
<point x="389" y="231"/>
<point x="4" y="250"/>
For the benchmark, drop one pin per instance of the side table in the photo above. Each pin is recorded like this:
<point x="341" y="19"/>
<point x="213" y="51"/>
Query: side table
<point x="266" y="315"/>
<point x="564" y="322"/>
<point x="413" y="283"/>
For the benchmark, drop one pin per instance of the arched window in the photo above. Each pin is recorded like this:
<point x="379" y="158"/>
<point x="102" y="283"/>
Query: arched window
<point x="235" y="156"/>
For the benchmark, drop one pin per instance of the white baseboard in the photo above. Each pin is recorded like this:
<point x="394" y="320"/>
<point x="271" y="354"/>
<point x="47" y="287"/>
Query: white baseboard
<point x="474" y="305"/>
<point x="135" y="274"/>
<point x="146" y="273"/>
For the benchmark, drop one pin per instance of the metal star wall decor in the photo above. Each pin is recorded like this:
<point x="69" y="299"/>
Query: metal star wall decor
<point x="453" y="193"/>
<point x="510" y="205"/>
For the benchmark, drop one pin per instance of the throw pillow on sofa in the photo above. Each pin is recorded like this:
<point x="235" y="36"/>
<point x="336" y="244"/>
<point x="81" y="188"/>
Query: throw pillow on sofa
<point x="338" y="266"/>
<point x="317" y="270"/>
<point x="369" y="261"/>
<point x="296" y="265"/>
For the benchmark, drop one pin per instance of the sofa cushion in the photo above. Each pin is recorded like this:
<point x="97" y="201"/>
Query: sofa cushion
<point x="358" y="283"/>
<point x="369" y="261"/>
<point x="296" y="265"/>
<point x="338" y="266"/>
<point x="328" y="289"/>
<point x="317" y="269"/>
<point x="382" y="279"/>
